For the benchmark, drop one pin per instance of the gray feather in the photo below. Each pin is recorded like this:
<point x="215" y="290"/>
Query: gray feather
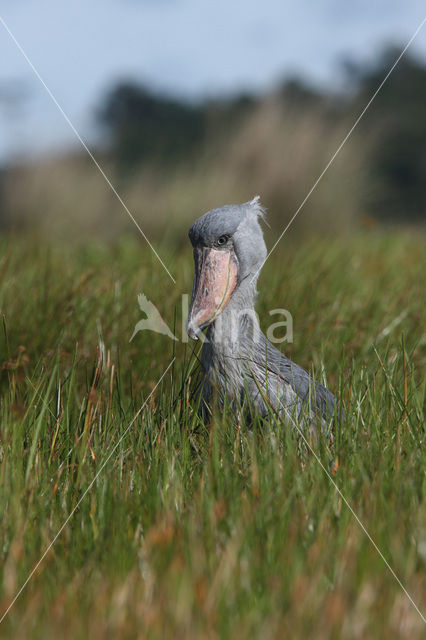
<point x="237" y="358"/>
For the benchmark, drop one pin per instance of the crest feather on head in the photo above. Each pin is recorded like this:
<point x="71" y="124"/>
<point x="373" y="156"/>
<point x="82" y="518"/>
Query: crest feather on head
<point x="258" y="209"/>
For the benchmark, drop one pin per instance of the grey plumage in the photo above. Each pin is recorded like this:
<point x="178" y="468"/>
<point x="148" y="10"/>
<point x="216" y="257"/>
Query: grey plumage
<point x="237" y="358"/>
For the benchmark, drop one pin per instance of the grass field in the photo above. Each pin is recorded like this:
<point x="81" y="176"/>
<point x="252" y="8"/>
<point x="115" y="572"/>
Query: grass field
<point x="216" y="531"/>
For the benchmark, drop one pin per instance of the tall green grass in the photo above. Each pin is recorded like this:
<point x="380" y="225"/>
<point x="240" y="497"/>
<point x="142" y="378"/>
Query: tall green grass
<point x="214" y="530"/>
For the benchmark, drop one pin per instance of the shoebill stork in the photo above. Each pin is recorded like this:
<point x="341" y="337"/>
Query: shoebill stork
<point x="237" y="359"/>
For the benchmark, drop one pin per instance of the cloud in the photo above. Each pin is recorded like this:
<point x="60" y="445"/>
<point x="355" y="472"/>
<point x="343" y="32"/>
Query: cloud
<point x="190" y="47"/>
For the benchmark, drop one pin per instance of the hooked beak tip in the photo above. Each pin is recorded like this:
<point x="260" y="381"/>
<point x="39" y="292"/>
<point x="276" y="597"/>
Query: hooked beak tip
<point x="192" y="330"/>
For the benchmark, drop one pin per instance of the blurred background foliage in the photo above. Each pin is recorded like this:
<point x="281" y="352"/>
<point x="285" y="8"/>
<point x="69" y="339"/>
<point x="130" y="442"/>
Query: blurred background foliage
<point x="191" y="530"/>
<point x="172" y="159"/>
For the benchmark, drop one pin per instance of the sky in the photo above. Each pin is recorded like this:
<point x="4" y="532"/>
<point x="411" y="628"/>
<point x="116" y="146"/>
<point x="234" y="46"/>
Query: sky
<point x="191" y="48"/>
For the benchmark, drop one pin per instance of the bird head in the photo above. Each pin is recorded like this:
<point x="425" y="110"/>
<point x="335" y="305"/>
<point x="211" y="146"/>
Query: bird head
<point x="229" y="249"/>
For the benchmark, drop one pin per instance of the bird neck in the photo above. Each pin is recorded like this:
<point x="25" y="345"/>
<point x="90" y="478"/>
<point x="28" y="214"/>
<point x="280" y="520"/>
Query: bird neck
<point x="238" y="323"/>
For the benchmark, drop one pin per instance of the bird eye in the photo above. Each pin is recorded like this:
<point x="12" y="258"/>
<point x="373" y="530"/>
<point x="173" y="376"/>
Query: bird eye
<point x="222" y="240"/>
